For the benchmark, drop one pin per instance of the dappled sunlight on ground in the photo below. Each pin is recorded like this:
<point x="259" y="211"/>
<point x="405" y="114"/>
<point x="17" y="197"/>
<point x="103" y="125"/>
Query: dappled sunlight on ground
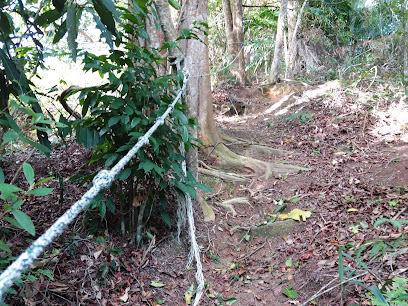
<point x="392" y="123"/>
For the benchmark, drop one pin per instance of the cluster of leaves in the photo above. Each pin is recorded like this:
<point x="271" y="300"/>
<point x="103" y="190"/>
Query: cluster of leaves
<point x="115" y="115"/>
<point x="394" y="290"/>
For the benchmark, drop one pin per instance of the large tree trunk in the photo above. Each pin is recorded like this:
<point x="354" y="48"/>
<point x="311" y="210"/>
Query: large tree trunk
<point x="234" y="30"/>
<point x="199" y="100"/>
<point x="278" y="54"/>
<point x="293" y="52"/>
<point x="405" y="49"/>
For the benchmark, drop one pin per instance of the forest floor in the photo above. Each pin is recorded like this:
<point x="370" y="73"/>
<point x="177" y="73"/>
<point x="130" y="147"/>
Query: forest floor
<point x="353" y="143"/>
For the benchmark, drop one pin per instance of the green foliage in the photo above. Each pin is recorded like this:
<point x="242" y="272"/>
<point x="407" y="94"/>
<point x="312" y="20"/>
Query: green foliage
<point x="15" y="198"/>
<point x="393" y="291"/>
<point x="118" y="113"/>
<point x="303" y="116"/>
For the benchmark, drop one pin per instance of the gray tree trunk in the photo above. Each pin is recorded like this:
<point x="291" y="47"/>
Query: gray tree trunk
<point x="405" y="39"/>
<point x="196" y="60"/>
<point x="278" y="54"/>
<point x="290" y="66"/>
<point x="234" y="30"/>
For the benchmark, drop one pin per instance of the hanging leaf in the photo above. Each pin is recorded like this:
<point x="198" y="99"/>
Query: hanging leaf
<point x="59" y="4"/>
<point x="105" y="15"/>
<point x="166" y="218"/>
<point x="62" y="30"/>
<point x="19" y="80"/>
<point x="1" y="176"/>
<point x="5" y="26"/>
<point x="48" y="17"/>
<point x="110" y="205"/>
<point x="72" y="29"/>
<point x="101" y="27"/>
<point x="28" y="173"/>
<point x="24" y="221"/>
<point x="112" y="8"/>
<point x="174" y="4"/>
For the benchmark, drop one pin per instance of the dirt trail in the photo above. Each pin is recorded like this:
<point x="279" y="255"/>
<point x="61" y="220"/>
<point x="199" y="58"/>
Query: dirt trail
<point x="358" y="175"/>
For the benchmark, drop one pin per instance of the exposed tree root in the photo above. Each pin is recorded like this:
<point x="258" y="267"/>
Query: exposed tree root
<point x="260" y="148"/>
<point x="226" y="176"/>
<point x="227" y="157"/>
<point x="207" y="210"/>
<point x="228" y="204"/>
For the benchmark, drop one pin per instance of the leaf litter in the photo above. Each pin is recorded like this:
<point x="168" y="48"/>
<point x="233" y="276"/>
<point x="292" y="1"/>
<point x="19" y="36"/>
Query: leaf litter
<point x="354" y="197"/>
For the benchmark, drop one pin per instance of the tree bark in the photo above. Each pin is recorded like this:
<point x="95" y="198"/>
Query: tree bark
<point x="405" y="49"/>
<point x="234" y="30"/>
<point x="290" y="66"/>
<point x="278" y="54"/>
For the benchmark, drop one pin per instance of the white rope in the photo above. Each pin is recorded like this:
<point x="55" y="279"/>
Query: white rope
<point x="195" y="250"/>
<point x="101" y="181"/>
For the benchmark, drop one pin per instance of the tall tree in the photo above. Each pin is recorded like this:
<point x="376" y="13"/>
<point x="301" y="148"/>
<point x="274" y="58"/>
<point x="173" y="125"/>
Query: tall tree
<point x="290" y="64"/>
<point x="199" y="99"/>
<point x="280" y="34"/>
<point x="234" y="30"/>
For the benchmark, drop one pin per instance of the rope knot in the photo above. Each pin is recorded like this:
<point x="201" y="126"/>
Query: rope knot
<point x="104" y="179"/>
<point x="144" y="140"/>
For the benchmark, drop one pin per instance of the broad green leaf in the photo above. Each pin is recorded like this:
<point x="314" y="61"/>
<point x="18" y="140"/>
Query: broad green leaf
<point x="113" y="120"/>
<point x="110" y="205"/>
<point x="10" y="135"/>
<point x="157" y="285"/>
<point x="13" y="221"/>
<point x="5" y="26"/>
<point x="288" y="262"/>
<point x="59" y="4"/>
<point x="47" y="273"/>
<point x="18" y="79"/>
<point x="48" y="17"/>
<point x="1" y="176"/>
<point x="28" y="173"/>
<point x="377" y="293"/>
<point x="9" y="188"/>
<point x="201" y="186"/>
<point x="41" y="191"/>
<point x="17" y="204"/>
<point x="24" y="221"/>
<point x="4" y="247"/>
<point x="146" y="166"/>
<point x="292" y="294"/>
<point x="112" y="8"/>
<point x="105" y="15"/>
<point x="183" y="119"/>
<point x="174" y="4"/>
<point x="230" y="301"/>
<point x="396" y="223"/>
<point x="124" y="174"/>
<point x="44" y="181"/>
<point x="166" y="218"/>
<point x="102" y="209"/>
<point x="184" y="133"/>
<point x="62" y="30"/>
<point x="101" y="27"/>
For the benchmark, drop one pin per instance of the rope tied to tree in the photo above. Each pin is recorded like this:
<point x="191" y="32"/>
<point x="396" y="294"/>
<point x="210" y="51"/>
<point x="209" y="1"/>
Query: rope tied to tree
<point x="100" y="182"/>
